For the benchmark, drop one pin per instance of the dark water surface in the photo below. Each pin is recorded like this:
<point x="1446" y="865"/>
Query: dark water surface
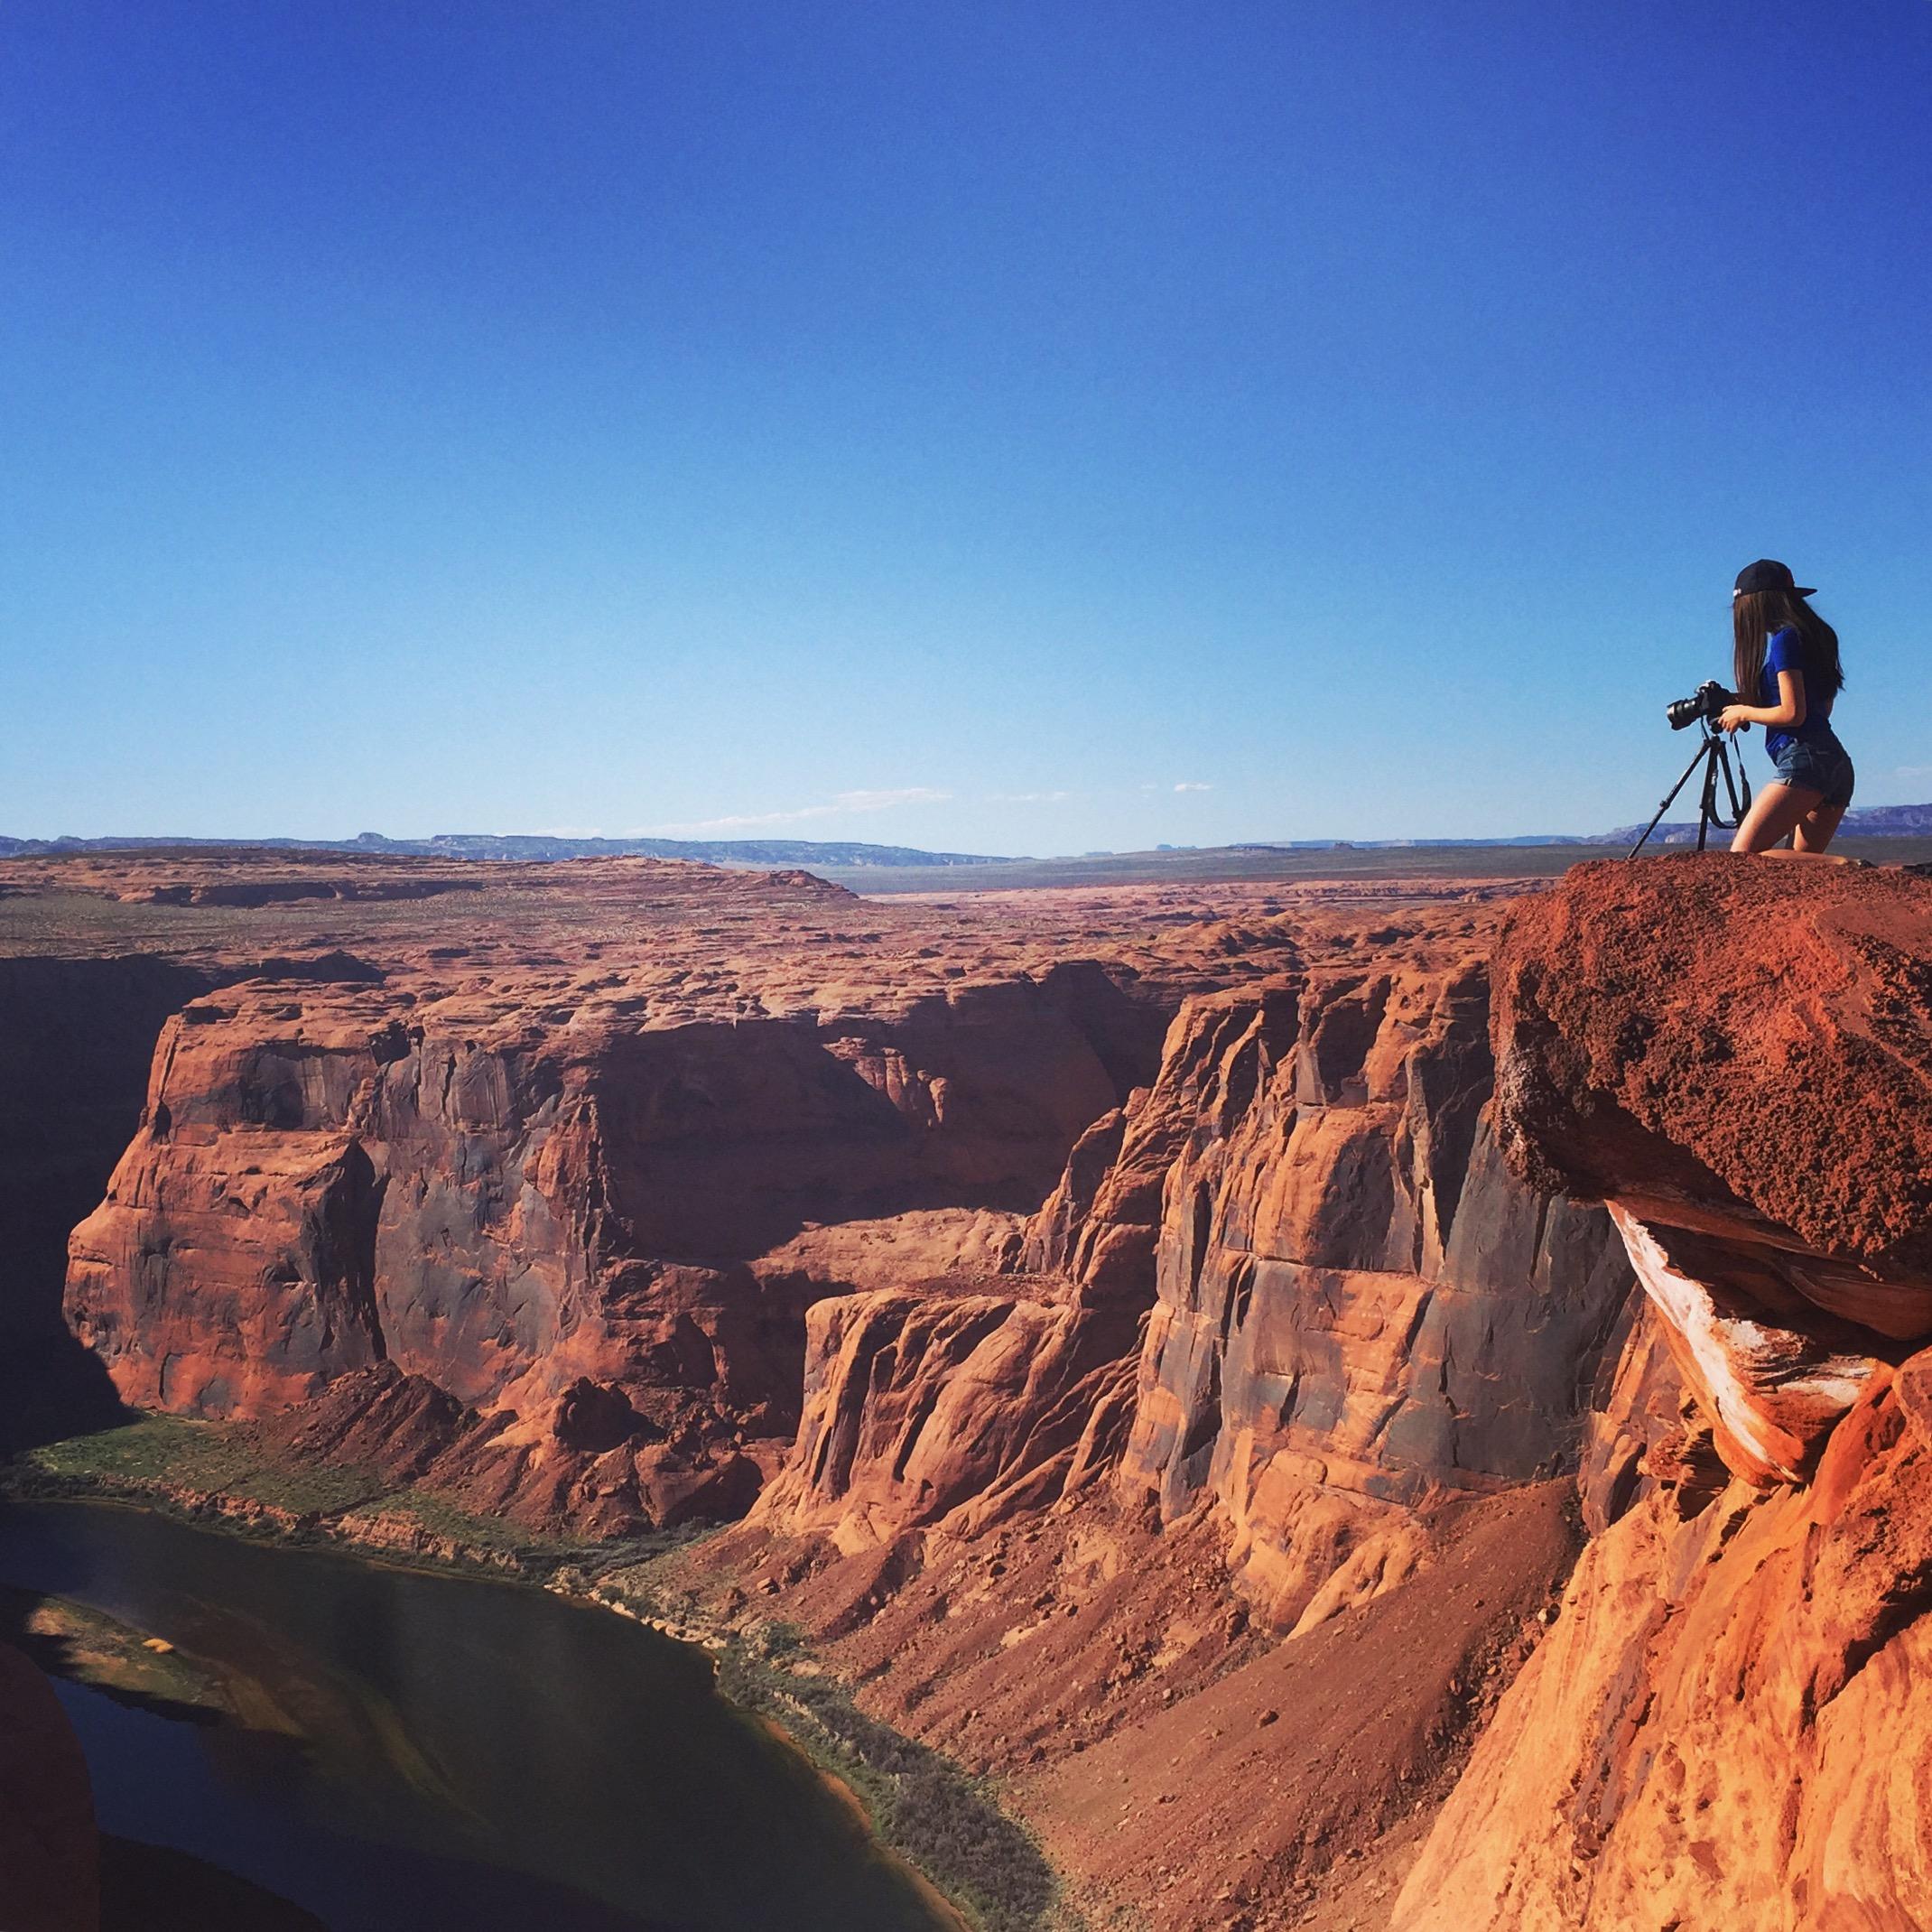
<point x="424" y="1751"/>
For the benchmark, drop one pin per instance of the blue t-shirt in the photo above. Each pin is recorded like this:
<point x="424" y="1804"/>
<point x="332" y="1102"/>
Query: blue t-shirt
<point x="1786" y="652"/>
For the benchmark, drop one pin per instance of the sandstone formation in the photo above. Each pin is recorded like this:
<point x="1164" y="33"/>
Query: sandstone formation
<point x="512" y="1208"/>
<point x="1354" y="1310"/>
<point x="1358" y="1310"/>
<point x="1704" y="1047"/>
<point x="1365" y="1348"/>
<point x="1729" y="1723"/>
<point x="577" y="1148"/>
<point x="949" y="1410"/>
<point x="49" y="1859"/>
<point x="1168" y="1346"/>
<point x="1704" y="1041"/>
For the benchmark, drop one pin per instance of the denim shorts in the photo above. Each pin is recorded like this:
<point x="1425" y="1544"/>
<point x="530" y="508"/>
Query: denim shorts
<point x="1816" y="764"/>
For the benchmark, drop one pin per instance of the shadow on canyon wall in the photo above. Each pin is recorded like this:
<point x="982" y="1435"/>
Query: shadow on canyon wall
<point x="75" y="1055"/>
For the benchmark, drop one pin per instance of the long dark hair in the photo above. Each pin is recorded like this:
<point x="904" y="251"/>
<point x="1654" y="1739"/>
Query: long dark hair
<point x="1755" y="615"/>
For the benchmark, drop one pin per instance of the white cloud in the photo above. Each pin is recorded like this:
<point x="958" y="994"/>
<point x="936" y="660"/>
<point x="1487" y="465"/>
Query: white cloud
<point x="840" y="805"/>
<point x="1185" y="786"/>
<point x="1025" y="798"/>
<point x="1914" y="772"/>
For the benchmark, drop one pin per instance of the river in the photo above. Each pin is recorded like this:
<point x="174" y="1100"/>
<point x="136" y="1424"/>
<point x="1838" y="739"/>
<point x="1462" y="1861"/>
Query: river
<point x="425" y="1751"/>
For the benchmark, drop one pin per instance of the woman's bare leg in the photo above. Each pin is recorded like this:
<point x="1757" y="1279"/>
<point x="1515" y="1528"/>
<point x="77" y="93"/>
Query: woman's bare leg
<point x="1813" y="832"/>
<point x="1776" y="811"/>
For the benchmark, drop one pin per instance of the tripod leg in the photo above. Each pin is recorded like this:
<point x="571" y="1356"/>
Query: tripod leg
<point x="1669" y="798"/>
<point x="1707" y="811"/>
<point x="1720" y="756"/>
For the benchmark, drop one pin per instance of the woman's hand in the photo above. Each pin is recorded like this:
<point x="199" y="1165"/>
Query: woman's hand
<point x="1733" y="718"/>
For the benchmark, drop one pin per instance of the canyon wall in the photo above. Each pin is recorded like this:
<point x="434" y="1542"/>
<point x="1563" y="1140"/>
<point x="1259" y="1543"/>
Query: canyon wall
<point x="1731" y="1723"/>
<point x="597" y="1234"/>
<point x="1176" y="1340"/>
<point x="77" y="1042"/>
<point x="1297" y="1284"/>
<point x="930" y="1406"/>
<point x="1360" y="1311"/>
<point x="1217" y="1530"/>
<point x="1375" y="1307"/>
<point x="529" y="1186"/>
<point x="603" y="1247"/>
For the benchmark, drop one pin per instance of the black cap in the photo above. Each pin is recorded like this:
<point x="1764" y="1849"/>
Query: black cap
<point x="1766" y="575"/>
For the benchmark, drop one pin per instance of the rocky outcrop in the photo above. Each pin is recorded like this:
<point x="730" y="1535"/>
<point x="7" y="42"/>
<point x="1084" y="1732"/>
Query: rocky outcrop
<point x="1734" y="1057"/>
<point x="1360" y="1311"/>
<point x="935" y="1408"/>
<point x="49" y="1856"/>
<point x="1102" y="1226"/>
<point x="1729" y="1723"/>
<point x="1368" y="1316"/>
<point x="324" y="1182"/>
<point x="1296" y="1356"/>
<point x="1355" y="1310"/>
<point x="594" y="1464"/>
<point x="563" y="1188"/>
<point x="1697" y="1040"/>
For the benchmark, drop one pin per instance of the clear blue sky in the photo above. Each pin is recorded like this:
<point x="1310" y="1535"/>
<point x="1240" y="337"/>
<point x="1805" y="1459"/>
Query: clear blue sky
<point x="1001" y="426"/>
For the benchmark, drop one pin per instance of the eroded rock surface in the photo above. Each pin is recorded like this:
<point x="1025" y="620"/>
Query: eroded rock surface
<point x="948" y="1409"/>
<point x="1333" y="1361"/>
<point x="329" y="1178"/>
<point x="1137" y="1323"/>
<point x="1360" y="1311"/>
<point x="1730" y="1722"/>
<point x="581" y="1142"/>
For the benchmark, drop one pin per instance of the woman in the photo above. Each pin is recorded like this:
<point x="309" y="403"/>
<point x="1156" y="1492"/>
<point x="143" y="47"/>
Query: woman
<point x="1787" y="655"/>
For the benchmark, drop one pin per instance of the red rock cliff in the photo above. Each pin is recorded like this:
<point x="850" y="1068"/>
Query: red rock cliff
<point x="328" y="1178"/>
<point x="1293" y="1355"/>
<point x="1349" y="1309"/>
<point x="1360" y="1311"/>
<point x="536" y="1186"/>
<point x="1731" y="1723"/>
<point x="1132" y="1408"/>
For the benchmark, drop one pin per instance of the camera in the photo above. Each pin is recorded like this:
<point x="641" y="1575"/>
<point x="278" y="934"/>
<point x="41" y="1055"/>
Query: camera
<point x="1715" y="753"/>
<point x="1706" y="702"/>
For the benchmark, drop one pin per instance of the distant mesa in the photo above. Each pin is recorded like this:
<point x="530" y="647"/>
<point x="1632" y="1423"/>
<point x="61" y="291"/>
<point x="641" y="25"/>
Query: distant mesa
<point x="757" y="853"/>
<point x="1862" y="822"/>
<point x="1868" y="821"/>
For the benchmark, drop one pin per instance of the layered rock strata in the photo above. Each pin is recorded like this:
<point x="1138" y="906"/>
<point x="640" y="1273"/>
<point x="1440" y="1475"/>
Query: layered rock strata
<point x="1114" y="1407"/>
<point x="1729" y="1724"/>
<point x="587" y="1195"/>
<point x="326" y="1179"/>
<point x="1351" y="1309"/>
<point x="1339" y="1360"/>
<point x="1360" y="1311"/>
<point x="950" y="1409"/>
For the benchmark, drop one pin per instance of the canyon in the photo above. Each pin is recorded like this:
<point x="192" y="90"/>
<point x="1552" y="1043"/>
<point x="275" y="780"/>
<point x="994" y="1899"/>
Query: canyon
<point x="1377" y="1402"/>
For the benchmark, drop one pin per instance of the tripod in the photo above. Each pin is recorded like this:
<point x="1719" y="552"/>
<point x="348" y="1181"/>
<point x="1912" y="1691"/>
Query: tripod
<point x="1714" y="754"/>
